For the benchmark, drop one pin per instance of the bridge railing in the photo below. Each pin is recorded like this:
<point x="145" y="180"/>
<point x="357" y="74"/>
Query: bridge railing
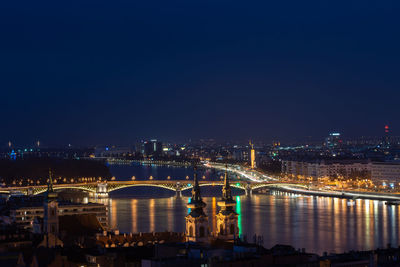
<point x="181" y="185"/>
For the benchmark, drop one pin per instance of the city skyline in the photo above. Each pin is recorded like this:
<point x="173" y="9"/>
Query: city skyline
<point x="299" y="140"/>
<point x="200" y="133"/>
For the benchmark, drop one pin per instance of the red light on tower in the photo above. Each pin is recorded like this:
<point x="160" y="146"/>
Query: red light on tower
<point x="386" y="129"/>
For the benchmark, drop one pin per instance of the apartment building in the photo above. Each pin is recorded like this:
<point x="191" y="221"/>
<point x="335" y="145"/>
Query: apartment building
<point x="23" y="214"/>
<point x="323" y="168"/>
<point x="385" y="173"/>
<point x="381" y="173"/>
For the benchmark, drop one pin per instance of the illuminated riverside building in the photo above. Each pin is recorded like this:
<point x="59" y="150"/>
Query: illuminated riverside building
<point x="386" y="173"/>
<point x="227" y="218"/>
<point x="324" y="168"/>
<point x="23" y="215"/>
<point x="381" y="173"/>
<point x="197" y="229"/>
<point x="23" y="210"/>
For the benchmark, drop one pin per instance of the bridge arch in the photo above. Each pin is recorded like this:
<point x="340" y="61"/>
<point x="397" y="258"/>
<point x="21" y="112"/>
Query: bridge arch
<point x="176" y="186"/>
<point x="118" y="187"/>
<point x="240" y="186"/>
<point x="87" y="189"/>
<point x="258" y="186"/>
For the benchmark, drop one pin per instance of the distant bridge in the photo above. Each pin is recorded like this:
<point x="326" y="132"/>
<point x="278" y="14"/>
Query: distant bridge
<point x="119" y="161"/>
<point x="101" y="189"/>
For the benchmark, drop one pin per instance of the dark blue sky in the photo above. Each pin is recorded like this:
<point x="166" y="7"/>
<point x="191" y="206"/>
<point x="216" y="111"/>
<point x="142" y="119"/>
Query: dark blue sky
<point x="88" y="72"/>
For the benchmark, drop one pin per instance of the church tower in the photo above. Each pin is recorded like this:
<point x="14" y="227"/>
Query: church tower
<point x="196" y="221"/>
<point x="50" y="218"/>
<point x="227" y="218"/>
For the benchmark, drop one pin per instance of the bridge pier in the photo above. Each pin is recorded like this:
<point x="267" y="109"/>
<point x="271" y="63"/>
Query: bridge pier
<point x="178" y="193"/>
<point x="102" y="190"/>
<point x="101" y="195"/>
<point x="248" y="190"/>
<point x="29" y="191"/>
<point x="178" y="189"/>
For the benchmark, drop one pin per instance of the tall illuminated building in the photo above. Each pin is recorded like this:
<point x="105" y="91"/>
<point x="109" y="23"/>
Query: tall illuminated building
<point x="387" y="134"/>
<point x="333" y="140"/>
<point x="196" y="221"/>
<point x="252" y="155"/>
<point x="152" y="148"/>
<point x="227" y="218"/>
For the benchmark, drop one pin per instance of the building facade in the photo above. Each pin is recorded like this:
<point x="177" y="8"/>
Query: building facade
<point x="325" y="169"/>
<point x="197" y="229"/>
<point x="227" y="218"/>
<point x="386" y="173"/>
<point x="381" y="173"/>
<point x="50" y="210"/>
<point x="23" y="216"/>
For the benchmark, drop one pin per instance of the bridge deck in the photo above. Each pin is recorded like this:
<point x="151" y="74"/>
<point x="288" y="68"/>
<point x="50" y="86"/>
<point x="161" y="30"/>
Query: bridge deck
<point x="167" y="184"/>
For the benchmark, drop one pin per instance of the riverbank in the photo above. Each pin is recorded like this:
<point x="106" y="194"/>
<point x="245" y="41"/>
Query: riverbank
<point x="344" y="194"/>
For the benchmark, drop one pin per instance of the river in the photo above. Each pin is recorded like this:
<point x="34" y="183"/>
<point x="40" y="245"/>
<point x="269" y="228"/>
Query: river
<point x="318" y="224"/>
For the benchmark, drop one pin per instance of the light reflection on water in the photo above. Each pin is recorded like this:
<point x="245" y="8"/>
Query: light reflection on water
<point x="316" y="223"/>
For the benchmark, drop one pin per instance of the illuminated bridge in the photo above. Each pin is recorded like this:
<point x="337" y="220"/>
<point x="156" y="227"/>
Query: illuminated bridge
<point x="101" y="189"/>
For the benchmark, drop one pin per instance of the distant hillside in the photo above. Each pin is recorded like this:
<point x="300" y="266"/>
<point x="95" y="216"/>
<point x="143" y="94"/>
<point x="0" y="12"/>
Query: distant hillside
<point x="37" y="169"/>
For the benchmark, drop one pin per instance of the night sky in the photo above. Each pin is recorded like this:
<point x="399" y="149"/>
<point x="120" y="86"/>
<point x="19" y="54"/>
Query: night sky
<point x="91" y="72"/>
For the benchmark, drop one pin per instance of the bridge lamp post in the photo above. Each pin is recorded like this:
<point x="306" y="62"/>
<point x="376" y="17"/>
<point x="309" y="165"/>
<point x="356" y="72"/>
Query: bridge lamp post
<point x="187" y="177"/>
<point x="133" y="178"/>
<point x="151" y="177"/>
<point x="169" y="177"/>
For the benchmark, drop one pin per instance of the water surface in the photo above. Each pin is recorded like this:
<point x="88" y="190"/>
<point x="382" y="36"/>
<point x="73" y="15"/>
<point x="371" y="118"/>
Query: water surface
<point x="316" y="223"/>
